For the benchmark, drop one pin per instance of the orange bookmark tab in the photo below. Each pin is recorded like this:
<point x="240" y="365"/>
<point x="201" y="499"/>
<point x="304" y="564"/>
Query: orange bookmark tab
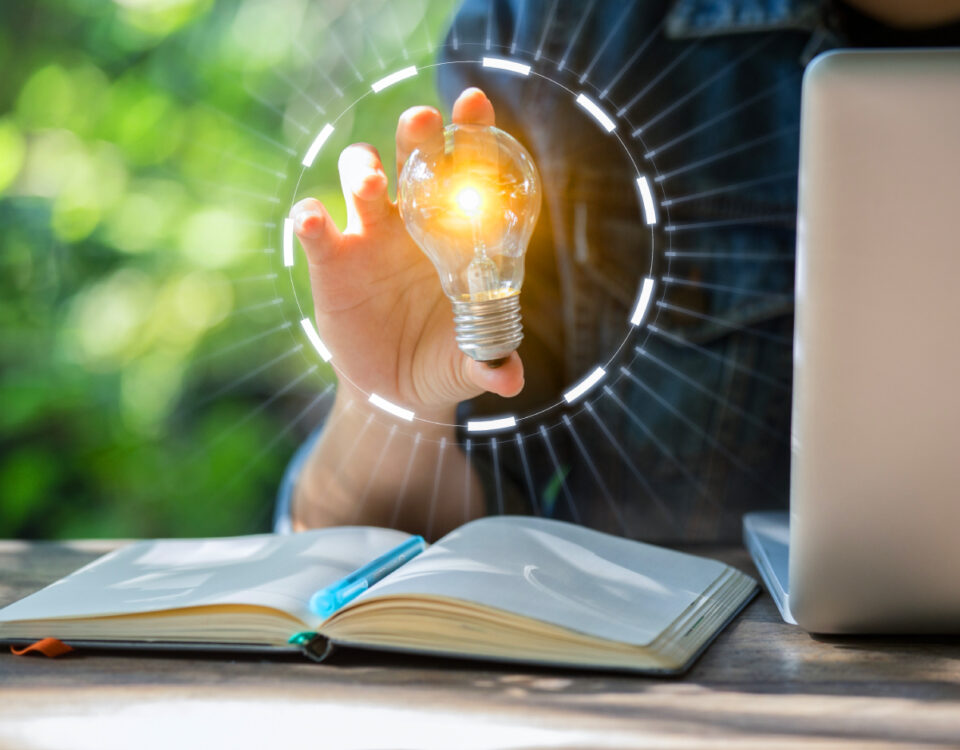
<point x="51" y="647"/>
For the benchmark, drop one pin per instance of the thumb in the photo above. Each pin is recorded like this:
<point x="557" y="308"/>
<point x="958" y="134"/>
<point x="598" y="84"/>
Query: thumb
<point x="505" y="380"/>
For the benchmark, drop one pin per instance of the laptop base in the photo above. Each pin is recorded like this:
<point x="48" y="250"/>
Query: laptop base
<point x="766" y="535"/>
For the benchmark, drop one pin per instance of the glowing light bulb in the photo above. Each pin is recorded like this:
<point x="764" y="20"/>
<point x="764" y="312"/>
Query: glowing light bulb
<point x="470" y="202"/>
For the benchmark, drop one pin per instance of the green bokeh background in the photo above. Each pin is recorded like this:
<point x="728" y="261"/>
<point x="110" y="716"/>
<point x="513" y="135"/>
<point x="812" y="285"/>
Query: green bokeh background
<point x="148" y="149"/>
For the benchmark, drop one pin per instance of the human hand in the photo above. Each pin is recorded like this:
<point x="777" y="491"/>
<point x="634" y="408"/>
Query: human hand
<point x="377" y="299"/>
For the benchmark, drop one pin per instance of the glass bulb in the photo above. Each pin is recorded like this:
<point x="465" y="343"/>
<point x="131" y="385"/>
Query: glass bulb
<point x="470" y="202"/>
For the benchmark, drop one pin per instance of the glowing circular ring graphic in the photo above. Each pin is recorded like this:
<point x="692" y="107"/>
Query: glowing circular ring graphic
<point x="647" y="206"/>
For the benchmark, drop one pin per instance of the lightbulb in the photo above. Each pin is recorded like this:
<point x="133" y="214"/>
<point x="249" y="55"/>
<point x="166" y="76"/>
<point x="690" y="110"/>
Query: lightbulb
<point x="470" y="202"/>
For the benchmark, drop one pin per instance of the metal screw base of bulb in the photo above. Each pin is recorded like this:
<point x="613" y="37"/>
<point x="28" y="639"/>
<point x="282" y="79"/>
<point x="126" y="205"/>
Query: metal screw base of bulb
<point x="488" y="330"/>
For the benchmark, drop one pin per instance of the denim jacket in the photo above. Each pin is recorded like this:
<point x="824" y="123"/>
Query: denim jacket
<point x="690" y="427"/>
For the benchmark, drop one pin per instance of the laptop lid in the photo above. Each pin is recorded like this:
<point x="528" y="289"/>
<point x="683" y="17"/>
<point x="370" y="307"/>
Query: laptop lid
<point x="875" y="477"/>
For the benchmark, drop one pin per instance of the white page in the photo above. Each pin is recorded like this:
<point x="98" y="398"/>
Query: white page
<point x="265" y="569"/>
<point x="567" y="575"/>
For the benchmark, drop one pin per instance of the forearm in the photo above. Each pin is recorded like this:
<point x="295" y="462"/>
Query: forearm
<point x="366" y="470"/>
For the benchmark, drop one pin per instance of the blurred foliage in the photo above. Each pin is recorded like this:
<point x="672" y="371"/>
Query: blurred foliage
<point x="148" y="151"/>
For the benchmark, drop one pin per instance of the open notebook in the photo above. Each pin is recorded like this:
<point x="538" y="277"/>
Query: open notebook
<point x="506" y="588"/>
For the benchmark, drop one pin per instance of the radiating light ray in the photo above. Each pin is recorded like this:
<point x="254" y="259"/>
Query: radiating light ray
<point x="436" y="486"/>
<point x="283" y="114"/>
<point x="688" y="50"/>
<point x="726" y="324"/>
<point x="293" y="85"/>
<point x="759" y="257"/>
<point x="374" y="473"/>
<point x="618" y="25"/>
<point x="248" y="375"/>
<point x="726" y="153"/>
<point x="730" y="188"/>
<point x="706" y="83"/>
<point x="574" y="513"/>
<point x="527" y="476"/>
<point x="256" y="306"/>
<point x="715" y="397"/>
<point x="240" y="344"/>
<point x="252" y="194"/>
<point x="495" y="454"/>
<point x="787" y="219"/>
<point x="489" y="35"/>
<point x="362" y="28"/>
<point x="467" y="479"/>
<point x="596" y="474"/>
<point x="454" y="34"/>
<point x="725" y="361"/>
<point x="252" y="131"/>
<point x="253" y="279"/>
<point x="633" y="58"/>
<point x="546" y="28"/>
<point x="427" y="37"/>
<point x="516" y="26"/>
<point x="713" y="442"/>
<point x="240" y="160"/>
<point x="357" y="439"/>
<point x="660" y="445"/>
<point x="401" y="42"/>
<point x="783" y="296"/>
<point x="250" y="463"/>
<point x="309" y="58"/>
<point x="335" y="39"/>
<point x="712" y="120"/>
<point x="576" y="34"/>
<point x="265" y="404"/>
<point x="628" y="462"/>
<point x="402" y="492"/>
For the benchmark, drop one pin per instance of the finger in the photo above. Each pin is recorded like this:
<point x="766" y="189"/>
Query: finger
<point x="505" y="380"/>
<point x="364" y="186"/>
<point x="473" y="108"/>
<point x="418" y="127"/>
<point x="318" y="234"/>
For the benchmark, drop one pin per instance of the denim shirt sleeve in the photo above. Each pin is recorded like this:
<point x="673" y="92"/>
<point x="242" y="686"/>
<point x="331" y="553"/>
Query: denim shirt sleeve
<point x="283" y="510"/>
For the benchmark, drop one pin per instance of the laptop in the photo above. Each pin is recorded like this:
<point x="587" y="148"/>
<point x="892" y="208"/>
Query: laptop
<point x="871" y="543"/>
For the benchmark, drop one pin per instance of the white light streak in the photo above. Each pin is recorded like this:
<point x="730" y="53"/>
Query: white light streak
<point x="500" y="64"/>
<point x="397" y="411"/>
<point x="649" y="207"/>
<point x="317" y="144"/>
<point x="598" y="114"/>
<point x="640" y="311"/>
<point x="288" y="242"/>
<point x="490" y="425"/>
<point x="307" y="325"/>
<point x="584" y="385"/>
<point x="393" y="78"/>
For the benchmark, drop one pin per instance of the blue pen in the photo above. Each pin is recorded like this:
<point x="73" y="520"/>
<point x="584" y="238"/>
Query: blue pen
<point x="330" y="598"/>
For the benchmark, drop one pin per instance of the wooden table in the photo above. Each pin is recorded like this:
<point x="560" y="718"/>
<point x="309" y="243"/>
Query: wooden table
<point x="761" y="684"/>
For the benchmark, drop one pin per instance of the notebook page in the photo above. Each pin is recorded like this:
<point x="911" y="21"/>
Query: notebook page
<point x="266" y="569"/>
<point x="567" y="575"/>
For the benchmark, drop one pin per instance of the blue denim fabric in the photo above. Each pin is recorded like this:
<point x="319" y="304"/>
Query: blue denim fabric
<point x="698" y="433"/>
<point x="707" y="436"/>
